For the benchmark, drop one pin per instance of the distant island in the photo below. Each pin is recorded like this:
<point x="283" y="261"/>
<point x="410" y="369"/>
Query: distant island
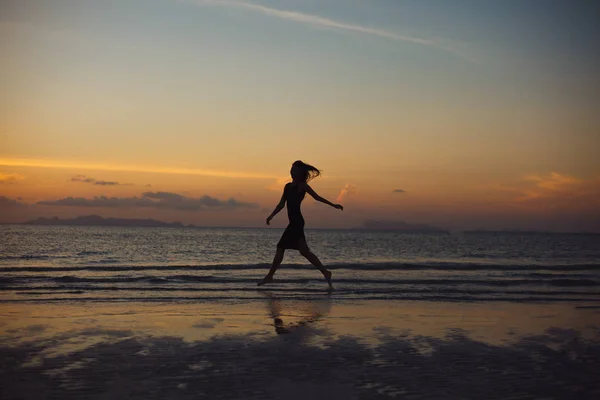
<point x="507" y="231"/>
<point x="401" y="226"/>
<point x="96" y="220"/>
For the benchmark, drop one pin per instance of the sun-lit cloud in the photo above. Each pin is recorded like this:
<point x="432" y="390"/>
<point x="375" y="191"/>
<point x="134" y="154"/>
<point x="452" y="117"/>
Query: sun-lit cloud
<point x="10" y="177"/>
<point x="347" y="191"/>
<point x="554" y="181"/>
<point x="325" y="23"/>
<point x="557" y="190"/>
<point x="278" y="184"/>
<point x="161" y="200"/>
<point x="75" y="165"/>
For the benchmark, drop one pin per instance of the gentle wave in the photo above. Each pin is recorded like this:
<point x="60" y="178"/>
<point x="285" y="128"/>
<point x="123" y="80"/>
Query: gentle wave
<point x="340" y="290"/>
<point x="382" y="266"/>
<point x="214" y="279"/>
<point x="26" y="257"/>
<point x="441" y="298"/>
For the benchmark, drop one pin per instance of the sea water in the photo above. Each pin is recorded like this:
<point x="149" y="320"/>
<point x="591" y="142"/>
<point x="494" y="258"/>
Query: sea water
<point x="69" y="263"/>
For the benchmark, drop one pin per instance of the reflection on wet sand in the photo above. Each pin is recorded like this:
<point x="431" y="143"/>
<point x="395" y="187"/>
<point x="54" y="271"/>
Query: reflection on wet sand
<point x="313" y="349"/>
<point x="308" y="312"/>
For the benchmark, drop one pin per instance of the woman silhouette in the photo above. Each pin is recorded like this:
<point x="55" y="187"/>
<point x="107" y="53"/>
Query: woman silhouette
<point x="293" y="237"/>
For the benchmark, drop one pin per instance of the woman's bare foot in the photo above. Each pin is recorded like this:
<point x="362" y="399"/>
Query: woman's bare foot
<point x="327" y="275"/>
<point x="266" y="279"/>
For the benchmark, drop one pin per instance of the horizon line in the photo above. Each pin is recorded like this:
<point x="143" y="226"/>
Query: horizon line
<point x="192" y="226"/>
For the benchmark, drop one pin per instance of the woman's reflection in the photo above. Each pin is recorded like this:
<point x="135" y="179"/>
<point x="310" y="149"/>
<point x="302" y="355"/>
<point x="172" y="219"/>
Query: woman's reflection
<point x="309" y="311"/>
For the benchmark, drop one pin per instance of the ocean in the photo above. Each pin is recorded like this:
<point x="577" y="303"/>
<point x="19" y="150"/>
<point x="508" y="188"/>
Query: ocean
<point x="78" y="264"/>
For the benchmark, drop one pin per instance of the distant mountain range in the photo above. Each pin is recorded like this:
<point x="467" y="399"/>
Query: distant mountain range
<point x="381" y="225"/>
<point x="96" y="220"/>
<point x="401" y="226"/>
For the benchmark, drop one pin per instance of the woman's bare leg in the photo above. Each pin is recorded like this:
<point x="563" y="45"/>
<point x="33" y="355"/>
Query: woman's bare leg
<point x="276" y="263"/>
<point x="314" y="260"/>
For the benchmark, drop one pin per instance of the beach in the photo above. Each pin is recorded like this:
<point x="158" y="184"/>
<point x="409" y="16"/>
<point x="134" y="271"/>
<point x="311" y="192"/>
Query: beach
<point x="170" y="313"/>
<point x="299" y="349"/>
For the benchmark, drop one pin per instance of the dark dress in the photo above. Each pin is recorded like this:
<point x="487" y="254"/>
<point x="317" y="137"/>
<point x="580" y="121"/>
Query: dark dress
<point x="293" y="237"/>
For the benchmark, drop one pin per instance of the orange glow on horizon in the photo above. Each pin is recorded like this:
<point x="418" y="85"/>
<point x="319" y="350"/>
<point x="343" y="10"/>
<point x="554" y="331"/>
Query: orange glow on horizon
<point x="39" y="163"/>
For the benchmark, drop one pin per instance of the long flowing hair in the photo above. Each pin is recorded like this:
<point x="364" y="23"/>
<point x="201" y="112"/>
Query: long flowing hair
<point x="308" y="170"/>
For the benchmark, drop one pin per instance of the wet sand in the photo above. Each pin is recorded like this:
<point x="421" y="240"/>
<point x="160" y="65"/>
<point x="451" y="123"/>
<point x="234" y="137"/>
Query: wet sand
<point x="309" y="349"/>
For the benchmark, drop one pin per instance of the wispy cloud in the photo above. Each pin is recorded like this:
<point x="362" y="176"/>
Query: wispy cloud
<point x="398" y="191"/>
<point x="10" y="178"/>
<point x="86" y="179"/>
<point x="553" y="182"/>
<point x="323" y="23"/>
<point x="82" y="179"/>
<point x="162" y="200"/>
<point x="111" y="183"/>
<point x="556" y="191"/>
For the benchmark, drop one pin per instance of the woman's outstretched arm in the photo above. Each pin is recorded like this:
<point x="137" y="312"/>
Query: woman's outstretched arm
<point x="315" y="196"/>
<point x="278" y="208"/>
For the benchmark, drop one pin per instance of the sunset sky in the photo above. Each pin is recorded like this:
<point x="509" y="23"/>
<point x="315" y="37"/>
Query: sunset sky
<point x="462" y="114"/>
